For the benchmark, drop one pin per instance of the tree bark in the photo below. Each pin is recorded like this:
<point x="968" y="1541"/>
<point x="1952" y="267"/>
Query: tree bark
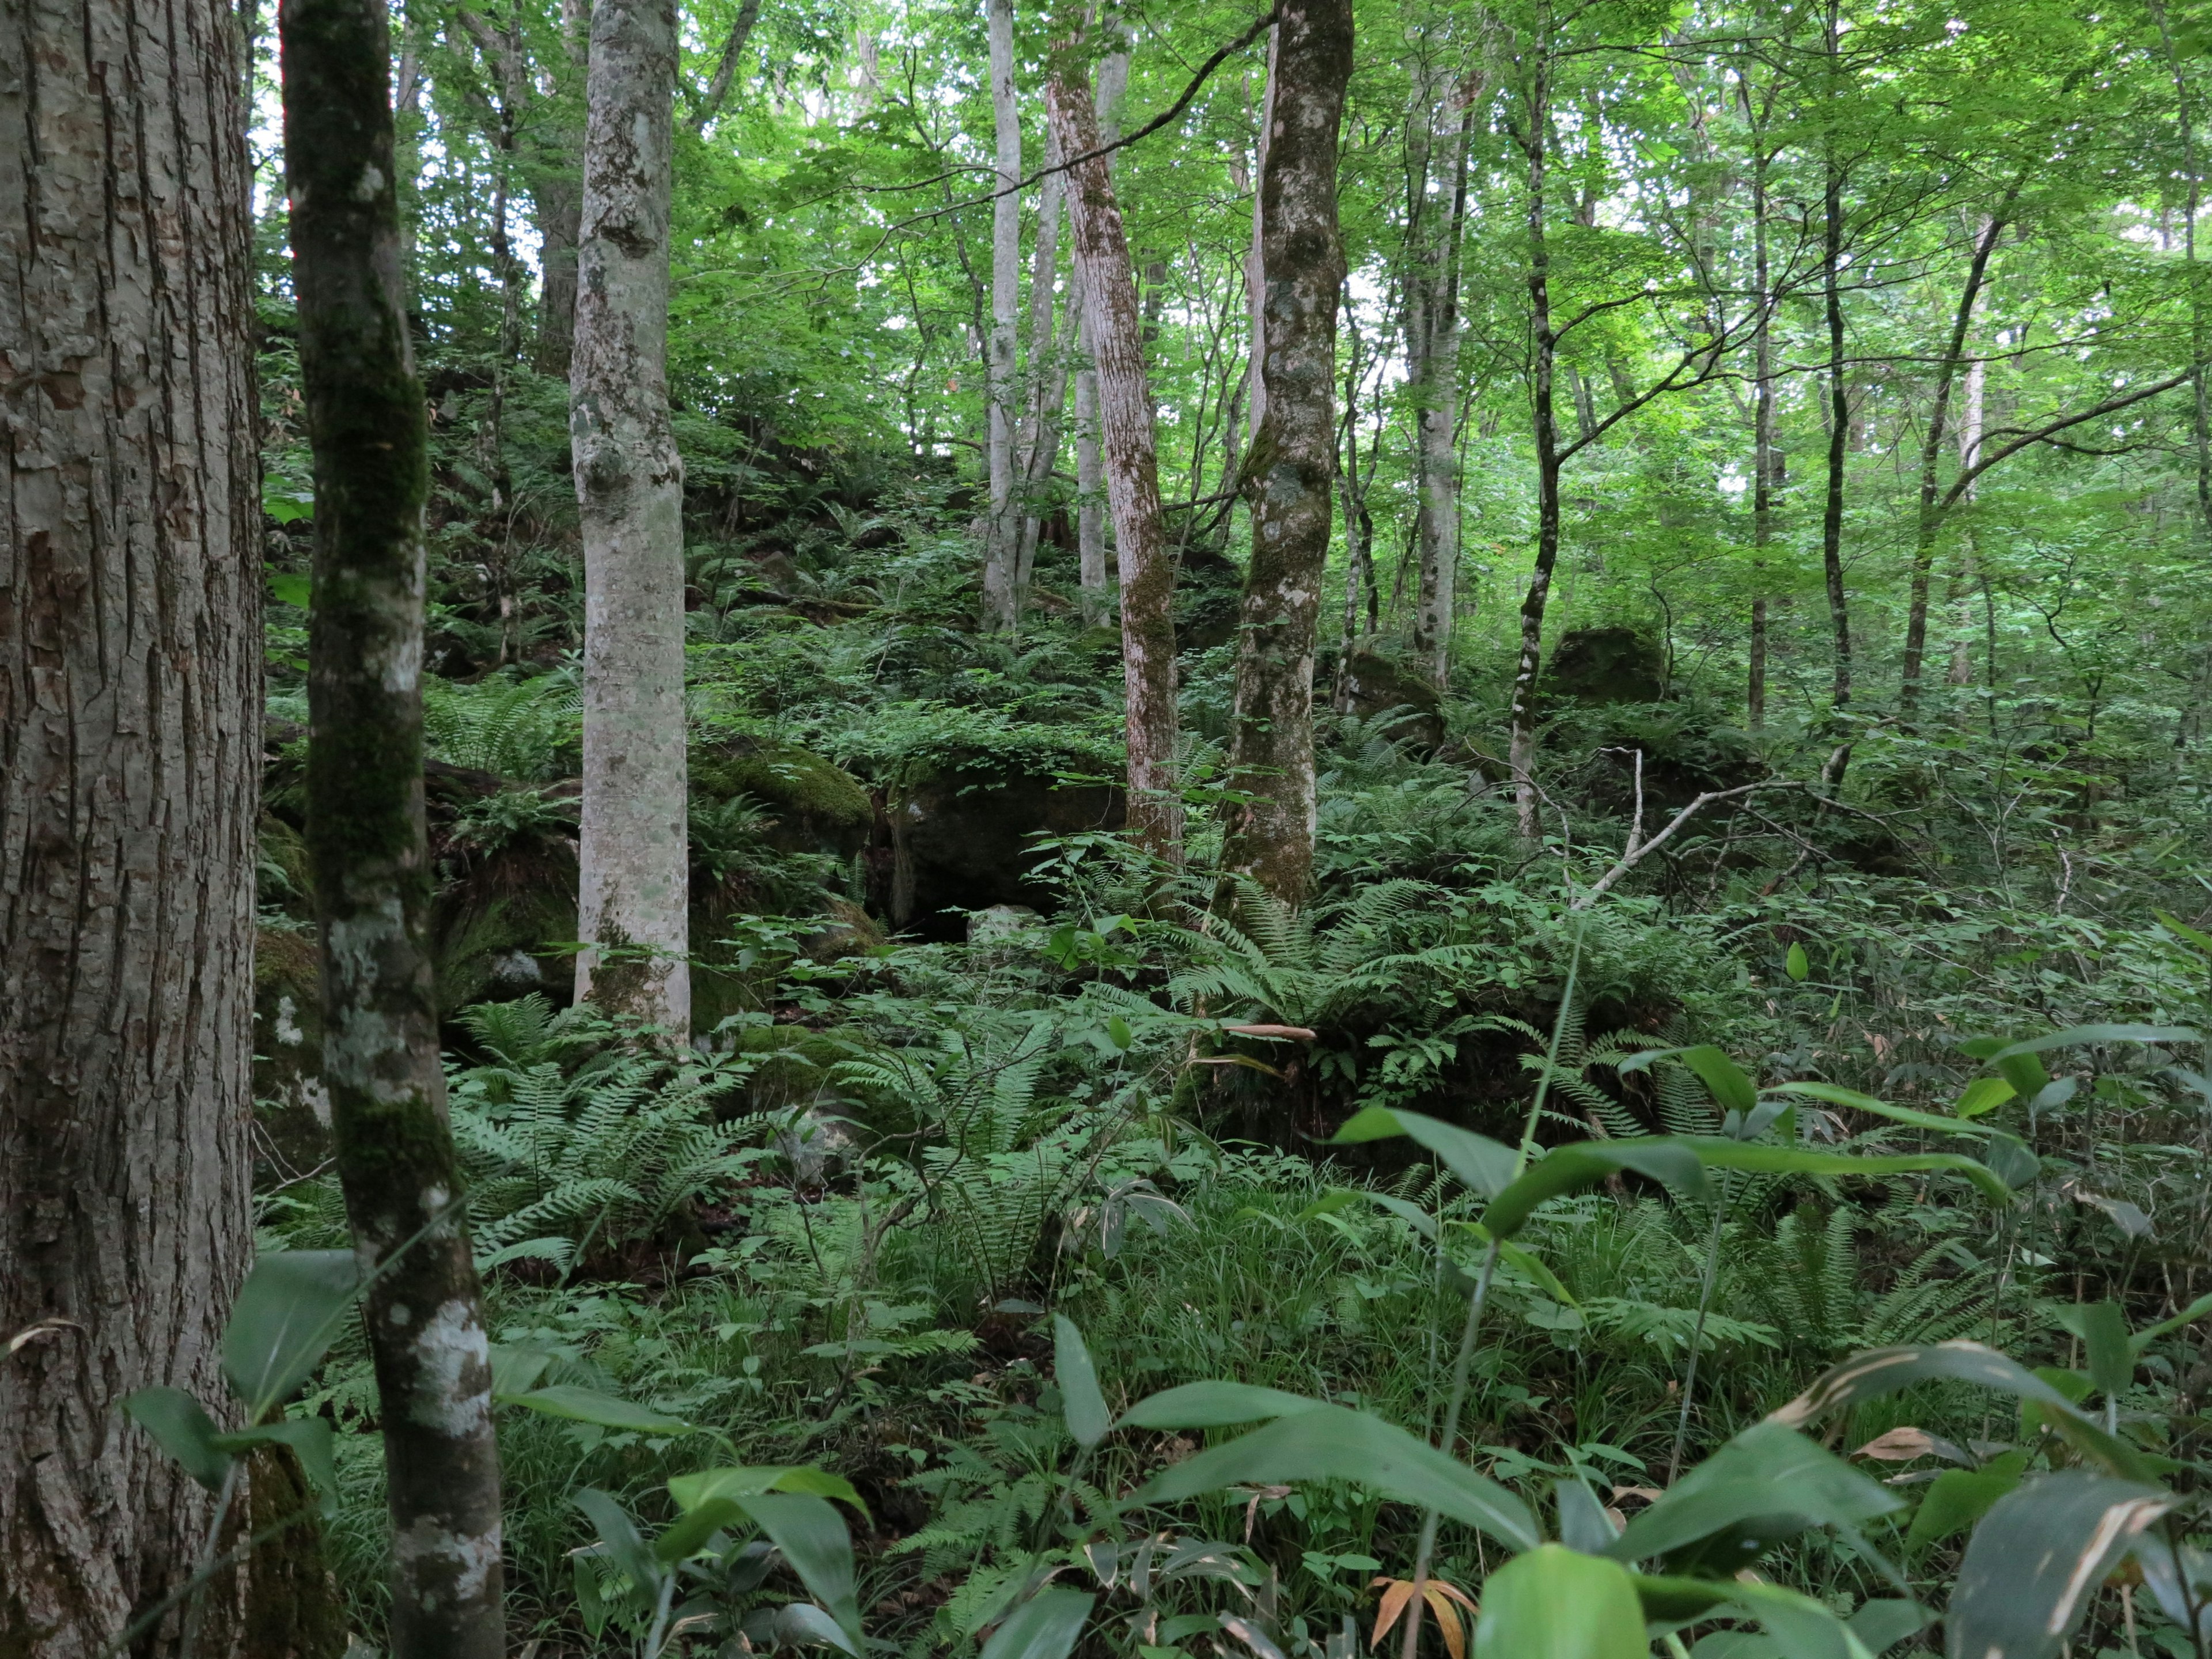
<point x="1255" y="255"/>
<point x="1038" y="446"/>
<point x="1131" y="465"/>
<point x="630" y="485"/>
<point x="1521" y="751"/>
<point x="373" y="877"/>
<point x="725" y="66"/>
<point x="130" y="661"/>
<point x="1001" y="605"/>
<point x="1090" y="465"/>
<point x="1931" y="455"/>
<point x="558" y="193"/>
<point x="1839" y="401"/>
<point x="1432" y="317"/>
<point x="1288" y="471"/>
<point x="1763" y="480"/>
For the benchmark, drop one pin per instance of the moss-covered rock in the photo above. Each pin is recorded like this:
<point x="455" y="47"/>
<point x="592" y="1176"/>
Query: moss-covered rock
<point x="963" y="840"/>
<point x="1378" y="686"/>
<point x="1606" y="664"/>
<point x="818" y="807"/>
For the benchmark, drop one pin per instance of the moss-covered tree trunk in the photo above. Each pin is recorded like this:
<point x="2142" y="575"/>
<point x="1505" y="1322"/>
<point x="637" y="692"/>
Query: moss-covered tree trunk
<point x="634" y="902"/>
<point x="130" y="751"/>
<point x="1001" y="602"/>
<point x="1287" y="475"/>
<point x="1129" y="449"/>
<point x="366" y="419"/>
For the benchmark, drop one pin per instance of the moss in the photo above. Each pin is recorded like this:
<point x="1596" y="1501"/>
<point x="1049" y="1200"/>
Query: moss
<point x="783" y="776"/>
<point x="293" y="1609"/>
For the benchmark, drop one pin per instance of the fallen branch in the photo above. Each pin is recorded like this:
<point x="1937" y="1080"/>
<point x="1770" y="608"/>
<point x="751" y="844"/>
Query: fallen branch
<point x="1637" y="849"/>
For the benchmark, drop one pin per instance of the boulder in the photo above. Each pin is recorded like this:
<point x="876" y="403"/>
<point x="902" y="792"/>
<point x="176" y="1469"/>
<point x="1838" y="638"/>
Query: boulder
<point x="1604" y="665"/>
<point x="1378" y="686"/>
<point x="963" y="840"/>
<point x="818" y="807"/>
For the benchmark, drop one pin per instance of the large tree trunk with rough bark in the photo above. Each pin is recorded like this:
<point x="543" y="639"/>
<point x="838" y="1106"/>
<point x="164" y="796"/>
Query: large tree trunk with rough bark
<point x="372" y="876"/>
<point x="129" y="753"/>
<point x="1001" y="603"/>
<point x="1291" y="463"/>
<point x="632" y="909"/>
<point x="1130" y="461"/>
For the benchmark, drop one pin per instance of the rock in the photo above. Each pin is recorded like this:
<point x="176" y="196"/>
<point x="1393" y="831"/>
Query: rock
<point x="818" y="807"/>
<point x="1379" y="687"/>
<point x="997" y="923"/>
<point x="1606" y="664"/>
<point x="962" y="842"/>
<point x="816" y="1145"/>
<point x="514" y="973"/>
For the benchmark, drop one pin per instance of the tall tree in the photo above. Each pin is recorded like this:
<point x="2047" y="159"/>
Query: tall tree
<point x="633" y="910"/>
<point x="1766" y="465"/>
<point x="1090" y="460"/>
<point x="1292" y="463"/>
<point x="557" y="190"/>
<point x="1436" y="212"/>
<point x="130" y="751"/>
<point x="1839" y="392"/>
<point x="1000" y="554"/>
<point x="367" y="839"/>
<point x="1129" y="452"/>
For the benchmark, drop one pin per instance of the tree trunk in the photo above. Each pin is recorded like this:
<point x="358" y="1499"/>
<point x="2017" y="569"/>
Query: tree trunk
<point x="1039" y="444"/>
<point x="1762" y="474"/>
<point x="558" y="193"/>
<point x="1288" y="471"/>
<point x="1432" y="313"/>
<point x="1839" y="401"/>
<point x="1255" y="254"/>
<point x="131" y="659"/>
<point x="725" y="66"/>
<point x="1931" y="454"/>
<point x="1131" y="466"/>
<point x="1521" y="752"/>
<point x="1089" y="465"/>
<point x="630" y="485"/>
<point x="372" y="877"/>
<point x="1001" y="605"/>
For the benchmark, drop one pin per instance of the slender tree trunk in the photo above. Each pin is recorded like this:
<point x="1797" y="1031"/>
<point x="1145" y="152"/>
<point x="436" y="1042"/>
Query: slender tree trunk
<point x="1359" y="525"/>
<point x="725" y="66"/>
<point x="2200" y="378"/>
<point x="1433" y="312"/>
<point x="1970" y="572"/>
<point x="1039" y="445"/>
<point x="130" y="661"/>
<point x="1001" y="603"/>
<point x="558" y="193"/>
<point x="1288" y="471"/>
<point x="1931" y="455"/>
<point x="1521" y="752"/>
<point x="1090" y="465"/>
<point x="630" y="485"/>
<point x="1839" y="401"/>
<point x="1131" y="466"/>
<point x="365" y="837"/>
<point x="1762" y="473"/>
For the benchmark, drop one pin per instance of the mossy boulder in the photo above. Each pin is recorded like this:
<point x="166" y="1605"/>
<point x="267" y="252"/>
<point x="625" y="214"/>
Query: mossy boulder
<point x="818" y="807"/>
<point x="1606" y="665"/>
<point x="1377" y="687"/>
<point x="962" y="840"/>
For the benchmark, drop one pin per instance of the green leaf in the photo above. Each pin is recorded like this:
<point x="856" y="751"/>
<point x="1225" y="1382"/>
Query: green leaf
<point x="2036" y="1561"/>
<point x="516" y="1367"/>
<point x="1800" y="1627"/>
<point x="288" y="588"/>
<point x="1882" y="1372"/>
<point x="1585" y="1162"/>
<point x="581" y="1405"/>
<point x="1484" y="1164"/>
<point x="1720" y="1152"/>
<point x="1333" y="1442"/>
<point x="2076" y="1036"/>
<point x="2103" y="1329"/>
<point x="1046" y="1627"/>
<point x="1982" y="1095"/>
<point x="1724" y="1080"/>
<point x="286" y="1313"/>
<point x="181" y="1427"/>
<point x="1765" y="1485"/>
<point x="1553" y="1603"/>
<point x="310" y="1439"/>
<point x="813" y="1537"/>
<point x="1836" y="1095"/>
<point x="801" y="1623"/>
<point x="688" y="1534"/>
<point x="1797" y="965"/>
<point x="625" y="1545"/>
<point x="1214" y="1406"/>
<point x="2189" y="1315"/>
<point x="1957" y="1498"/>
<point x="1081" y="1406"/>
<point x="691" y="1491"/>
<point x="2181" y="929"/>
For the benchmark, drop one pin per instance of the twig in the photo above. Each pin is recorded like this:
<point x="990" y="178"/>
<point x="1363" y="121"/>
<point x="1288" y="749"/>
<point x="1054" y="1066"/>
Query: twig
<point x="1635" y="852"/>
